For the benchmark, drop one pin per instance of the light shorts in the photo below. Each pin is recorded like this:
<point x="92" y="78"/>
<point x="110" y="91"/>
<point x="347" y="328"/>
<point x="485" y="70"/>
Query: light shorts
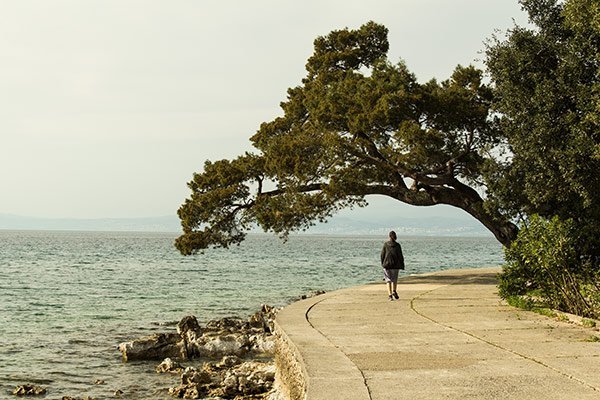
<point x="391" y="275"/>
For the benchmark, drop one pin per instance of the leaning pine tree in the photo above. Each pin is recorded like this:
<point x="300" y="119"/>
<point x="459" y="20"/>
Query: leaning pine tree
<point x="358" y="125"/>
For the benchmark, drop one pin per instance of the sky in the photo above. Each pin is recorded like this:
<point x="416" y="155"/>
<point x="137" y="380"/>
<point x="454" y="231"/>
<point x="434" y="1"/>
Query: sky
<point x="107" y="107"/>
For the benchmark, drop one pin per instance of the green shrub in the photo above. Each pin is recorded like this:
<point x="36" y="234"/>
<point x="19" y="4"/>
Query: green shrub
<point x="545" y="259"/>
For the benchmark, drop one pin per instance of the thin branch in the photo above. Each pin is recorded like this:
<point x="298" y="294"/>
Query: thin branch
<point x="373" y="152"/>
<point x="302" y="189"/>
<point x="260" y="185"/>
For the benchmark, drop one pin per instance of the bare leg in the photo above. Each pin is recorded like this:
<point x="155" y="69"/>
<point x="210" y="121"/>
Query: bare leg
<point x="389" y="287"/>
<point x="394" y="294"/>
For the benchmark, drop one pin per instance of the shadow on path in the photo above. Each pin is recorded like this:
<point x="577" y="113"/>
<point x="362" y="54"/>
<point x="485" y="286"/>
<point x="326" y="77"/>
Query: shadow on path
<point x="489" y="278"/>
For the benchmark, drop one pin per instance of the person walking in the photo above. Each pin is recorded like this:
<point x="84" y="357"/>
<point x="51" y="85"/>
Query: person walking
<point x="392" y="262"/>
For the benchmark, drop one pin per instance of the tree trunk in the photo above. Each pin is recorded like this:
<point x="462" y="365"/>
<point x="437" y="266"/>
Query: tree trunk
<point x="460" y="196"/>
<point x="504" y="231"/>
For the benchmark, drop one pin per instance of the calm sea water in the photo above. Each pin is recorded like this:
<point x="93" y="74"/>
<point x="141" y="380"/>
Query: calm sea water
<point x="68" y="298"/>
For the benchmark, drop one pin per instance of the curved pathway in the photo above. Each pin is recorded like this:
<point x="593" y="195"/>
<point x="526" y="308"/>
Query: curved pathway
<point x="448" y="337"/>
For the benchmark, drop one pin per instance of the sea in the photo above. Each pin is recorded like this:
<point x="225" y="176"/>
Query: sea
<point x="67" y="299"/>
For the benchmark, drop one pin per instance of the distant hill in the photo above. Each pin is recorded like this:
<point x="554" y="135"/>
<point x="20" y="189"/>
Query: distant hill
<point x="423" y="226"/>
<point x="151" y="224"/>
<point x="346" y="225"/>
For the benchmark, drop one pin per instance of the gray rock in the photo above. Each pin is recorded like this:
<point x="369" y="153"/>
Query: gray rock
<point x="189" y="328"/>
<point x="29" y="390"/>
<point x="262" y="343"/>
<point x="228" y="324"/>
<point x="193" y="376"/>
<point x="229" y="361"/>
<point x="251" y="378"/>
<point x="168" y="365"/>
<point x="156" y="347"/>
<point x="241" y="380"/>
<point x="221" y="345"/>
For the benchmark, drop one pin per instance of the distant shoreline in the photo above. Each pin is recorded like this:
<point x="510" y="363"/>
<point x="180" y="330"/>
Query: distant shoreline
<point x="338" y="225"/>
<point x="258" y="234"/>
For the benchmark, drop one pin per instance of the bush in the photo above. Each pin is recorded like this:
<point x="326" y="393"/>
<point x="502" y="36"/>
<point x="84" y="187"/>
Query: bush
<point x="545" y="263"/>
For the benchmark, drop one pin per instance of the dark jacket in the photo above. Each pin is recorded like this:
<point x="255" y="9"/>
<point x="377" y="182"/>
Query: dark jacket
<point x="391" y="255"/>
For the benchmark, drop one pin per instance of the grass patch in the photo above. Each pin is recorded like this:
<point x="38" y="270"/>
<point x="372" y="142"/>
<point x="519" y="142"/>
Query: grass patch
<point x="534" y="304"/>
<point x="593" y="338"/>
<point x="546" y="312"/>
<point x="589" y="323"/>
<point x="524" y="303"/>
<point x="563" y="318"/>
<point x="528" y="304"/>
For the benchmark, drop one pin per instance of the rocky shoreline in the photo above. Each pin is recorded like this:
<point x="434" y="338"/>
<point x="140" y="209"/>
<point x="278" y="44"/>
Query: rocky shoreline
<point x="218" y="338"/>
<point x="226" y="358"/>
<point x="237" y="356"/>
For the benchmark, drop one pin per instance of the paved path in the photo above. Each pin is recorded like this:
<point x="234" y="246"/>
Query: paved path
<point x="448" y="337"/>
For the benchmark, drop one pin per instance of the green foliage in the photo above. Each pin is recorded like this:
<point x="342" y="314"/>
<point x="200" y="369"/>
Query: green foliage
<point x="545" y="261"/>
<point x="217" y="196"/>
<point x="357" y="125"/>
<point x="346" y="50"/>
<point x="547" y="85"/>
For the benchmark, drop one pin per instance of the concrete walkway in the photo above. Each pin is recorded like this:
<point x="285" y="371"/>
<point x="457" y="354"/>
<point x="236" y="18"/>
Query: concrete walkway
<point x="448" y="337"/>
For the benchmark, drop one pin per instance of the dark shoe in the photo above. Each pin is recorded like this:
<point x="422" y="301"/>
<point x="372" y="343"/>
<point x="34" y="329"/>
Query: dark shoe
<point x="391" y="297"/>
<point x="396" y="295"/>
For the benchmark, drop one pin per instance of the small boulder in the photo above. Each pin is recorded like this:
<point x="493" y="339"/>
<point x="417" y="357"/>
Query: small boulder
<point x="219" y="345"/>
<point x="247" y="379"/>
<point x="189" y="328"/>
<point x="154" y="347"/>
<point x="262" y="344"/>
<point x="257" y="320"/>
<point x="29" y="390"/>
<point x="190" y="391"/>
<point x="229" y="361"/>
<point x="168" y="365"/>
<point x="193" y="376"/>
<point x="228" y="324"/>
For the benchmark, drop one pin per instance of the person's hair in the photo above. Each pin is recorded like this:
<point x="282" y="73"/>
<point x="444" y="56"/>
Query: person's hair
<point x="392" y="235"/>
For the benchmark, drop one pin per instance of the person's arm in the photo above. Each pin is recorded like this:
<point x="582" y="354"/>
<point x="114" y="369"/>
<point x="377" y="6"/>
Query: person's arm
<point x="382" y="254"/>
<point x="400" y="257"/>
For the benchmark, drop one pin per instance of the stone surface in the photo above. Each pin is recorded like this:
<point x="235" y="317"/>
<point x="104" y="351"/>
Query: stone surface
<point x="235" y="342"/>
<point x="229" y="361"/>
<point x="448" y="337"/>
<point x="248" y="379"/>
<point x="168" y="365"/>
<point x="155" y="347"/>
<point x="29" y="390"/>
<point x="221" y="337"/>
<point x="189" y="328"/>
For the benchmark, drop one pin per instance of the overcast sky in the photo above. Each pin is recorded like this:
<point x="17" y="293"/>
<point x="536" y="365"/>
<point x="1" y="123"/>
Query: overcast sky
<point x="107" y="107"/>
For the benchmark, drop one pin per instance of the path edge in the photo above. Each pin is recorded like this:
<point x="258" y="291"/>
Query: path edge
<point x="304" y="358"/>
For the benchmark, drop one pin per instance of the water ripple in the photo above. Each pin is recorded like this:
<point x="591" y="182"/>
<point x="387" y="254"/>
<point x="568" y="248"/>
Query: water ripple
<point x="68" y="298"/>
